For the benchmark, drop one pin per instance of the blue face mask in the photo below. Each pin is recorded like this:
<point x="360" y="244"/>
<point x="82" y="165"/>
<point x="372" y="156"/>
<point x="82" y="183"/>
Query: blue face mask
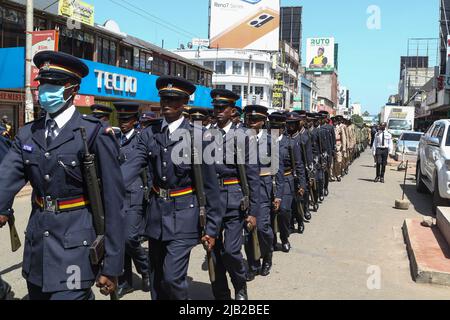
<point x="51" y="97"/>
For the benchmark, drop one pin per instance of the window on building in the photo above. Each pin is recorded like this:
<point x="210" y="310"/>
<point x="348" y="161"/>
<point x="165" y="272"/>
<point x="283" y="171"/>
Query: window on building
<point x="180" y="70"/>
<point x="145" y="61"/>
<point x="246" y="65"/>
<point x="220" y="86"/>
<point x="237" y="67"/>
<point x="193" y="75"/>
<point x="246" y="91"/>
<point x="221" y="67"/>
<point x="209" y="64"/>
<point x="76" y="42"/>
<point x="237" y="90"/>
<point x="40" y="24"/>
<point x="160" y="66"/>
<point x="106" y="51"/>
<point x="260" y="91"/>
<point x="12" y="25"/>
<point x="259" y="69"/>
<point x="126" y="57"/>
<point x="208" y="80"/>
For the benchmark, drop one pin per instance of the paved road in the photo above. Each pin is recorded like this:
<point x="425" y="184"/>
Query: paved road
<point x="355" y="237"/>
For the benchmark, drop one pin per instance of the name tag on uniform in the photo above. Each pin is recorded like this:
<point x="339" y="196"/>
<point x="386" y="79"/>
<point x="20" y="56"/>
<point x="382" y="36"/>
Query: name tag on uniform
<point x="28" y="148"/>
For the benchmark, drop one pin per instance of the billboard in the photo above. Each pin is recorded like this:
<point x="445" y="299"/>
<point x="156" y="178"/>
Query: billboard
<point x="320" y="54"/>
<point x="77" y="10"/>
<point x="245" y="24"/>
<point x="42" y="41"/>
<point x="342" y="98"/>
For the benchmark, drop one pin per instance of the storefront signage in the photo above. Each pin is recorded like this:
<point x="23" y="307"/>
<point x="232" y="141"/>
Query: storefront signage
<point x="12" y="96"/>
<point x="117" y="82"/>
<point x="42" y="41"/>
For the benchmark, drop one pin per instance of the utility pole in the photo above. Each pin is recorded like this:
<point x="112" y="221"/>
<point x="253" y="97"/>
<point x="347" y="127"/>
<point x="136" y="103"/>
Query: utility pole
<point x="29" y="106"/>
<point x="249" y="78"/>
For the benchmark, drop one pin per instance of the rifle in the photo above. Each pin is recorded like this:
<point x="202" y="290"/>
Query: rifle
<point x="14" y="235"/>
<point x="144" y="178"/>
<point x="245" y="205"/>
<point x="310" y="176"/>
<point x="299" y="212"/>
<point x="201" y="198"/>
<point x="276" y="226"/>
<point x="97" y="249"/>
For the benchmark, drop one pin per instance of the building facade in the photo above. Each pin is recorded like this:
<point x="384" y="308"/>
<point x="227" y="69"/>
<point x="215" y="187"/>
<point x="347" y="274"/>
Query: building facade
<point x="237" y="70"/>
<point x="291" y="27"/>
<point x="114" y="58"/>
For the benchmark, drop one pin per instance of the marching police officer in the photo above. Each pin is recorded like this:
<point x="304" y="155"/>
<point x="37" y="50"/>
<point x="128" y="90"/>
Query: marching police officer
<point x="200" y="115"/>
<point x="101" y="112"/>
<point x="147" y="119"/>
<point x="134" y="204"/>
<point x="328" y="137"/>
<point x="47" y="153"/>
<point x="173" y="226"/>
<point x="341" y="147"/>
<point x="228" y="248"/>
<point x="306" y="146"/>
<point x="316" y="145"/>
<point x="5" y="144"/>
<point x="270" y="170"/>
<point x="290" y="142"/>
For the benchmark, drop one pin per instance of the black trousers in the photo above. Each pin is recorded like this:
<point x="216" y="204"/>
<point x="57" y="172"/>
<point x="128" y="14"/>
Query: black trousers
<point x="381" y="156"/>
<point x="133" y="249"/>
<point x="35" y="294"/>
<point x="3" y="289"/>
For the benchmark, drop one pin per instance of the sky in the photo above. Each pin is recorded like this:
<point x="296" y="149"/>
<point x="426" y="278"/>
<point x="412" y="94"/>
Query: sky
<point x="369" y="58"/>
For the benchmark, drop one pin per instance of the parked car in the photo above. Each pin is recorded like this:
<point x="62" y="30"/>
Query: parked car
<point x="407" y="145"/>
<point x="433" y="164"/>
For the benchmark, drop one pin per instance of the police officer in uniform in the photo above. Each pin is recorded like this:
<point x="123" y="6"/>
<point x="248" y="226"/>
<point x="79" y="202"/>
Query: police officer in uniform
<point x="199" y="115"/>
<point x="382" y="147"/>
<point x="291" y="141"/>
<point x="47" y="153"/>
<point x="101" y="112"/>
<point x="228" y="249"/>
<point x="327" y="132"/>
<point x="270" y="168"/>
<point x="128" y="115"/>
<point x="147" y="119"/>
<point x="5" y="144"/>
<point x="173" y="226"/>
<point x="237" y="118"/>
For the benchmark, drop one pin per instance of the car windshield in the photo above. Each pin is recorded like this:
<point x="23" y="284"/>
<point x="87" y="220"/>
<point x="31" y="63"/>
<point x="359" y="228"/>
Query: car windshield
<point x="411" y="137"/>
<point x="400" y="125"/>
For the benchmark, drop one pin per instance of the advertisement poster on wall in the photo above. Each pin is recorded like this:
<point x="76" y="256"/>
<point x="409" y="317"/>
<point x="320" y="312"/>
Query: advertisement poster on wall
<point x="320" y="54"/>
<point x="42" y="41"/>
<point x="245" y="24"/>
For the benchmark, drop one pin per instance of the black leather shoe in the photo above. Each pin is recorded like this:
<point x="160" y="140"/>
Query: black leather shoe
<point x="377" y="179"/>
<point x="146" y="283"/>
<point x="267" y="266"/>
<point x="251" y="275"/>
<point x="382" y="180"/>
<point x="286" y="247"/>
<point x="5" y="292"/>
<point x="124" y="289"/>
<point x="308" y="216"/>
<point x="241" y="295"/>
<point x="277" y="247"/>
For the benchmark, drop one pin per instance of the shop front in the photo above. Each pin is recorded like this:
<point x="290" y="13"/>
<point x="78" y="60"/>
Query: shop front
<point x="105" y="84"/>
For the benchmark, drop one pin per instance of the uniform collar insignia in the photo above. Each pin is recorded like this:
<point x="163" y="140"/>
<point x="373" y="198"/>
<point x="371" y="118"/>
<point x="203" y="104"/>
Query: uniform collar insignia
<point x="28" y="148"/>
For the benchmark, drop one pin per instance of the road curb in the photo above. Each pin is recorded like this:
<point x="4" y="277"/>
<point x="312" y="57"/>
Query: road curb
<point x="428" y="252"/>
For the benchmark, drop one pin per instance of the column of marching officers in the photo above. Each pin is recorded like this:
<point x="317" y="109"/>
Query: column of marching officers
<point x="250" y="207"/>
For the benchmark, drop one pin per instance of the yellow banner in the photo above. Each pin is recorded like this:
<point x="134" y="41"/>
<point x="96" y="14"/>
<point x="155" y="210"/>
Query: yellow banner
<point x="77" y="10"/>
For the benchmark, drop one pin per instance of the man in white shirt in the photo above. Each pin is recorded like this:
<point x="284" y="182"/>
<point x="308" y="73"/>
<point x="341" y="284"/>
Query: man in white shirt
<point x="382" y="147"/>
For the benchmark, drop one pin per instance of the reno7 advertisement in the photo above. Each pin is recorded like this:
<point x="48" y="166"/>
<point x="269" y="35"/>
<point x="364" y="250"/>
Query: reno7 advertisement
<point x="245" y="24"/>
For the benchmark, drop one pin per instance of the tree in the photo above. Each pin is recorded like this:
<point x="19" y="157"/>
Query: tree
<point x="366" y="114"/>
<point x="357" y="119"/>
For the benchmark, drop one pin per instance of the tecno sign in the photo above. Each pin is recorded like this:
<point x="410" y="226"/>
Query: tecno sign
<point x="116" y="82"/>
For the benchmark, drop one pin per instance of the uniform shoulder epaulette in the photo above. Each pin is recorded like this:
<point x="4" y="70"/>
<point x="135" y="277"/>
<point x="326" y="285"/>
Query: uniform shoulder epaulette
<point x="90" y="118"/>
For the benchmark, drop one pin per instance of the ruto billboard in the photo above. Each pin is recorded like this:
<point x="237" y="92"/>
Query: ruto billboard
<point x="245" y="24"/>
<point x="320" y="54"/>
